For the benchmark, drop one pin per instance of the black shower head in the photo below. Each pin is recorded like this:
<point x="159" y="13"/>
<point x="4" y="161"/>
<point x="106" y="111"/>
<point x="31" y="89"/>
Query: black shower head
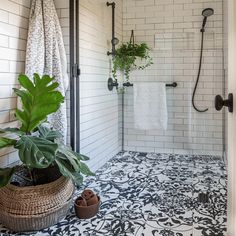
<point x="206" y="13"/>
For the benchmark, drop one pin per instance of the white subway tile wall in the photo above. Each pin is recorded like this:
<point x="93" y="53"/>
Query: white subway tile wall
<point x="99" y="107"/>
<point x="13" y="34"/>
<point x="172" y="29"/>
<point x="14" y="16"/>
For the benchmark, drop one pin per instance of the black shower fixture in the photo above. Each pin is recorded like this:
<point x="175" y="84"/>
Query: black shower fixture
<point x="114" y="40"/>
<point x="206" y="13"/>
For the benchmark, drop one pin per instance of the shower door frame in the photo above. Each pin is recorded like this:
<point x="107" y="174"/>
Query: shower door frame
<point x="232" y="119"/>
<point x="74" y="76"/>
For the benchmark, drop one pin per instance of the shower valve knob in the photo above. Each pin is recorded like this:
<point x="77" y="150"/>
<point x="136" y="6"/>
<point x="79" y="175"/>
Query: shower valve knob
<point x="220" y="102"/>
<point x="111" y="84"/>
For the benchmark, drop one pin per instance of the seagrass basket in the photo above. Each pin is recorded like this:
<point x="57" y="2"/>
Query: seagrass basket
<point x="36" y="207"/>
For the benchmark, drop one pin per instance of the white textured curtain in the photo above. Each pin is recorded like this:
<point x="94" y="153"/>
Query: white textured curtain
<point x="46" y="54"/>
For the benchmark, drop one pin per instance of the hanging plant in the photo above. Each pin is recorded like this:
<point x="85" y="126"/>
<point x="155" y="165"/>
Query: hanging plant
<point x="126" y="56"/>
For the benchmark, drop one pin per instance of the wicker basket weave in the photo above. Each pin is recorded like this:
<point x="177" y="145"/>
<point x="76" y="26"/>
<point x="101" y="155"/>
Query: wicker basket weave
<point x="37" y="207"/>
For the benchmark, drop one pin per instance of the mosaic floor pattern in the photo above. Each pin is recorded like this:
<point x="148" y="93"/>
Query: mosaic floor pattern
<point x="152" y="195"/>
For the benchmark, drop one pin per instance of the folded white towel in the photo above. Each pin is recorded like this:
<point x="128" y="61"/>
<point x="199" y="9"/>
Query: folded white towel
<point x="150" y="108"/>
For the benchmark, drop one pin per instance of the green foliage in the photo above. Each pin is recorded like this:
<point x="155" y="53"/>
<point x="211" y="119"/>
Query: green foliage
<point x="6" y="175"/>
<point x="6" y="142"/>
<point x="126" y="56"/>
<point x="68" y="171"/>
<point x="38" y="145"/>
<point x="70" y="164"/>
<point x="39" y="99"/>
<point x="36" y="152"/>
<point x="48" y="134"/>
<point x="11" y="130"/>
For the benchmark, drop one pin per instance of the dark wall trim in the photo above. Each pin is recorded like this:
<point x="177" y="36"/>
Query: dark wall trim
<point x="74" y="76"/>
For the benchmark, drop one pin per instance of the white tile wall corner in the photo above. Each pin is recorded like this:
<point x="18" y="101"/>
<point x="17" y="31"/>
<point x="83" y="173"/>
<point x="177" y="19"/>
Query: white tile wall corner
<point x="13" y="34"/>
<point x="99" y="107"/>
<point x="164" y="25"/>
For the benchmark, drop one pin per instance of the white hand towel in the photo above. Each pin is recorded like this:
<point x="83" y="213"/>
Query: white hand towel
<point x="150" y="108"/>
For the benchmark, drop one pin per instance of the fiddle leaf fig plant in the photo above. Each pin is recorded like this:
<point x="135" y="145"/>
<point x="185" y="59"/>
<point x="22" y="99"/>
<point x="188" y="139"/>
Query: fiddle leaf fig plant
<point x="126" y="56"/>
<point x="39" y="99"/>
<point x="38" y="145"/>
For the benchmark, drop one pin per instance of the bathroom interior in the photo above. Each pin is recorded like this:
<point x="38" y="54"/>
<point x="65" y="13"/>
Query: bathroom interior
<point x="157" y="140"/>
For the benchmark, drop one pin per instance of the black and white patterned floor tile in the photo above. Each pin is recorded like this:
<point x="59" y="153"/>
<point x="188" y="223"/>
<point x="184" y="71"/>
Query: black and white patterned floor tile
<point x="151" y="195"/>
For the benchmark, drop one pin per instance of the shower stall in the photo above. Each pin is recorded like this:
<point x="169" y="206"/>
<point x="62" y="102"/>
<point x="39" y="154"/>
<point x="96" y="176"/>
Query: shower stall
<point x="187" y="41"/>
<point x="177" y="41"/>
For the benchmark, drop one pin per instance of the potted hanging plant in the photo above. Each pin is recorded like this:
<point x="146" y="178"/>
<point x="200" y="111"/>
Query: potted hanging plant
<point x="131" y="56"/>
<point x="51" y="168"/>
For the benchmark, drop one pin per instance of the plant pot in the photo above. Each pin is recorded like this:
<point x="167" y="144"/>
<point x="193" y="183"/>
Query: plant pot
<point x="47" y="175"/>
<point x="34" y="208"/>
<point x="86" y="212"/>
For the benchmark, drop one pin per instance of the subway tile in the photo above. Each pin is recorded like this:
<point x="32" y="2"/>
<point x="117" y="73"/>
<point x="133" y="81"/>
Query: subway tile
<point x="18" y="21"/>
<point x="9" y="30"/>
<point x="4" y="117"/>
<point x="3" y="41"/>
<point x="4" y="16"/>
<point x="10" y="6"/>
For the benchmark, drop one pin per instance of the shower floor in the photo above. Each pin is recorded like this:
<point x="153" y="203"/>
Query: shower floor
<point x="150" y="195"/>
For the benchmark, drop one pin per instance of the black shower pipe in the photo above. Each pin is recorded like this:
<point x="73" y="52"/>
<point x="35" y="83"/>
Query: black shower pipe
<point x="74" y="76"/>
<point x="113" y="5"/>
<point x="198" y="75"/>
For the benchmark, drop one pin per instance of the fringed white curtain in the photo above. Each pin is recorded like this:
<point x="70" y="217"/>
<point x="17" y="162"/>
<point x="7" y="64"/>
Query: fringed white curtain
<point x="46" y="54"/>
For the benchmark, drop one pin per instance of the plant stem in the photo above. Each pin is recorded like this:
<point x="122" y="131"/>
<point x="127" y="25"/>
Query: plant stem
<point x="32" y="176"/>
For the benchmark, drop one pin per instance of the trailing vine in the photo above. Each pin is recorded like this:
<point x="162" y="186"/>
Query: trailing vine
<point x="125" y="58"/>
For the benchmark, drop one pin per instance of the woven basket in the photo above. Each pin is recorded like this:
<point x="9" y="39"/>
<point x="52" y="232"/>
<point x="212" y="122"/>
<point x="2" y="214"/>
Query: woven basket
<point x="36" y="207"/>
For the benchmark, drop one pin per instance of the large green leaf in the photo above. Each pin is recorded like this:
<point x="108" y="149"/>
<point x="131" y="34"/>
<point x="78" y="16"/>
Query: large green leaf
<point x="6" y="176"/>
<point x="85" y="170"/>
<point x="81" y="157"/>
<point x="6" y="142"/>
<point x="39" y="99"/>
<point x="74" y="158"/>
<point x="48" y="133"/>
<point x="64" y="155"/>
<point x="70" y="164"/>
<point x="36" y="152"/>
<point x="68" y="171"/>
<point x="11" y="130"/>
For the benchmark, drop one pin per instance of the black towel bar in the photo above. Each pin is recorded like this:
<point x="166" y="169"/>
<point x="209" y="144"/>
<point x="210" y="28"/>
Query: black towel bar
<point x="128" y="84"/>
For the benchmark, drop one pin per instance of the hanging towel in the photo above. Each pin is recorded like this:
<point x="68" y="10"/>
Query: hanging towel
<point x="150" y="108"/>
<point x="45" y="54"/>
